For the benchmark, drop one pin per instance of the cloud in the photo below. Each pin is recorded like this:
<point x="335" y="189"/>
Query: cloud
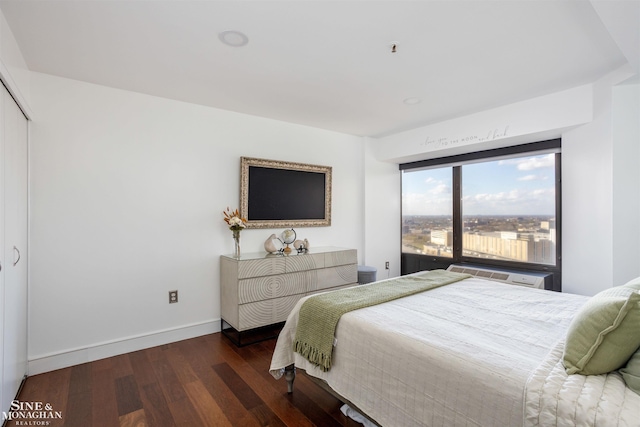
<point x="441" y="189"/>
<point x="531" y="163"/>
<point x="427" y="204"/>
<point x="533" y="178"/>
<point x="513" y="202"/>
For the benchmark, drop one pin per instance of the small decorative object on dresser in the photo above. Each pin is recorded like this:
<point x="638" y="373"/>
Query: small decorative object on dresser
<point x="298" y="245"/>
<point x="273" y="245"/>
<point x="302" y="246"/>
<point x="288" y="237"/>
<point x="236" y="223"/>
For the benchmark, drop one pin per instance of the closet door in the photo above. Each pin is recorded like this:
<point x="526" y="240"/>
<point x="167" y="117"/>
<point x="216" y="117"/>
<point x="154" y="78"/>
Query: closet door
<point x="4" y="403"/>
<point x="14" y="343"/>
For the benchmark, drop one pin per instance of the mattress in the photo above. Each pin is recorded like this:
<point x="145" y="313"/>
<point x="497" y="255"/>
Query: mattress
<point x="459" y="355"/>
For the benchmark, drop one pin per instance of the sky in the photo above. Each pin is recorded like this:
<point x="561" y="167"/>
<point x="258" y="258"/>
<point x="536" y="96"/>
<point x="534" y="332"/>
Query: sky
<point x="520" y="186"/>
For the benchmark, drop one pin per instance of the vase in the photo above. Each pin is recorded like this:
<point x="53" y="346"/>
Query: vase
<point x="236" y="239"/>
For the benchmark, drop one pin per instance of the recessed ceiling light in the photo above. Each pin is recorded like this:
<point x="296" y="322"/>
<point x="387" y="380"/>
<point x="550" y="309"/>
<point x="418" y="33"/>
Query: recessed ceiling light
<point x="412" y="101"/>
<point x="233" y="38"/>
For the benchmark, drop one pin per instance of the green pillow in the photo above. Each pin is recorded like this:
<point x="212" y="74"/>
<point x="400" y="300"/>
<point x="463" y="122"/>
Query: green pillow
<point x="604" y="333"/>
<point x="631" y="372"/>
<point x="633" y="284"/>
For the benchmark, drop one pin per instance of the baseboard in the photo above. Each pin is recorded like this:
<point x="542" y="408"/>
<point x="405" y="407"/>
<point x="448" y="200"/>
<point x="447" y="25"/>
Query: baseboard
<point x="51" y="362"/>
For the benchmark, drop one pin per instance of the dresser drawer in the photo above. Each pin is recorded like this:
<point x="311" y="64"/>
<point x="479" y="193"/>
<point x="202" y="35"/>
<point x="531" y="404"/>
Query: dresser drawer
<point x="267" y="287"/>
<point x="268" y="312"/>
<point x="261" y="267"/>
<point x="349" y="256"/>
<point x="305" y="262"/>
<point x="334" y="276"/>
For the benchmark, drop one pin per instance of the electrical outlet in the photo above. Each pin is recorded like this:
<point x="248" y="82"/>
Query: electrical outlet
<point x="173" y="297"/>
<point x="386" y="265"/>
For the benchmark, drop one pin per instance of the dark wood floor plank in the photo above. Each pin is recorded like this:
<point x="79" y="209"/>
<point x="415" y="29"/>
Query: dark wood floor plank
<point x="121" y="366"/>
<point x="57" y="392"/>
<point x="104" y="414"/>
<point x="210" y="413"/>
<point x="157" y="412"/>
<point x="243" y="392"/>
<point x="153" y="353"/>
<point x="266" y="417"/>
<point x="184" y="413"/>
<point x="79" y="404"/>
<point x="142" y="368"/>
<point x="183" y="370"/>
<point x="200" y="352"/>
<point x="102" y="364"/>
<point x="127" y="395"/>
<point x="168" y="380"/>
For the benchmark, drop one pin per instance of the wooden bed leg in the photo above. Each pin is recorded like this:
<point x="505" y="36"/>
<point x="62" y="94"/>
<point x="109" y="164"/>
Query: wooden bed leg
<point x="290" y="375"/>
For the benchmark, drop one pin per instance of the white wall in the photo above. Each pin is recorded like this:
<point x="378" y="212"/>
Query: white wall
<point x="626" y="196"/>
<point x="127" y="198"/>
<point x="382" y="220"/>
<point x="589" y="212"/>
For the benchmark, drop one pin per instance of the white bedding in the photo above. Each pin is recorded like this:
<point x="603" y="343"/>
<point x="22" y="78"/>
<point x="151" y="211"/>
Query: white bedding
<point x="554" y="398"/>
<point x="459" y="355"/>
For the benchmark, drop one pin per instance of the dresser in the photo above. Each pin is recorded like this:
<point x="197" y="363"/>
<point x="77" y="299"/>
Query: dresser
<point x="258" y="290"/>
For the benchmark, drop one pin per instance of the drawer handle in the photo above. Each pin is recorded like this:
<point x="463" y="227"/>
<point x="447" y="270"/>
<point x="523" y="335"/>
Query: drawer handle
<point x="18" y="260"/>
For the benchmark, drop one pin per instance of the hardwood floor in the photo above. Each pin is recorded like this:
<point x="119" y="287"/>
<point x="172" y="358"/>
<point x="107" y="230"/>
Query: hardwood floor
<point x="204" y="381"/>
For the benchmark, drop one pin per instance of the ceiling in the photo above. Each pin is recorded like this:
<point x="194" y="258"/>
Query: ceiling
<point x="326" y="64"/>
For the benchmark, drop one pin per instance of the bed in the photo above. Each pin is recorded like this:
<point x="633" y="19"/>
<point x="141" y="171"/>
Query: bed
<point x="470" y="353"/>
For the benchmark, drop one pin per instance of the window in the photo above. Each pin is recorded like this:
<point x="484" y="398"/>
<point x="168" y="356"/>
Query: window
<point x="427" y="212"/>
<point x="500" y="207"/>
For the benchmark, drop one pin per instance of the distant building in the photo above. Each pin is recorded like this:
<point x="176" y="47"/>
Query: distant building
<point x="442" y="237"/>
<point x="548" y="225"/>
<point x="508" y="245"/>
<point x="508" y="235"/>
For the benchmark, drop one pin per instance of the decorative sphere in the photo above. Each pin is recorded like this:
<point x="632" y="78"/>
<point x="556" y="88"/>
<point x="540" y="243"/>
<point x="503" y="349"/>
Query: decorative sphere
<point x="288" y="236"/>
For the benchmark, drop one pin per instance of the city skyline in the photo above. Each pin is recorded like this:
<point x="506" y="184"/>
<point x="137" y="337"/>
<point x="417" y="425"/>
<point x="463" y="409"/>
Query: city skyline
<point x="518" y="186"/>
<point x="529" y="238"/>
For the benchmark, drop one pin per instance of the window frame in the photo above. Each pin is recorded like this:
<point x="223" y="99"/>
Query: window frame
<point x="416" y="262"/>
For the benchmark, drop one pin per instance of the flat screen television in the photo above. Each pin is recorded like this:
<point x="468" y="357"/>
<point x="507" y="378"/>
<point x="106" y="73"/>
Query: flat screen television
<point x="284" y="194"/>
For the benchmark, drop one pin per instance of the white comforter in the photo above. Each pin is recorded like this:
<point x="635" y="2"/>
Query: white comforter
<point x="554" y="398"/>
<point x="459" y="355"/>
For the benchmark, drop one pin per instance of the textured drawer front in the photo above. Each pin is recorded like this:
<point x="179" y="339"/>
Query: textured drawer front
<point x="261" y="267"/>
<point x="262" y="288"/>
<point x="341" y="258"/>
<point x="262" y="313"/>
<point x="334" y="276"/>
<point x="305" y="262"/>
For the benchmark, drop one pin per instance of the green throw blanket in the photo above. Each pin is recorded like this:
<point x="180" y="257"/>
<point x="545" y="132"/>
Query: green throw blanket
<point x="319" y="315"/>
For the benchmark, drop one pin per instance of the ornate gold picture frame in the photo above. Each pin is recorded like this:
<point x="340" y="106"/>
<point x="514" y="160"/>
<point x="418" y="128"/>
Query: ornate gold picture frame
<point x="277" y="193"/>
